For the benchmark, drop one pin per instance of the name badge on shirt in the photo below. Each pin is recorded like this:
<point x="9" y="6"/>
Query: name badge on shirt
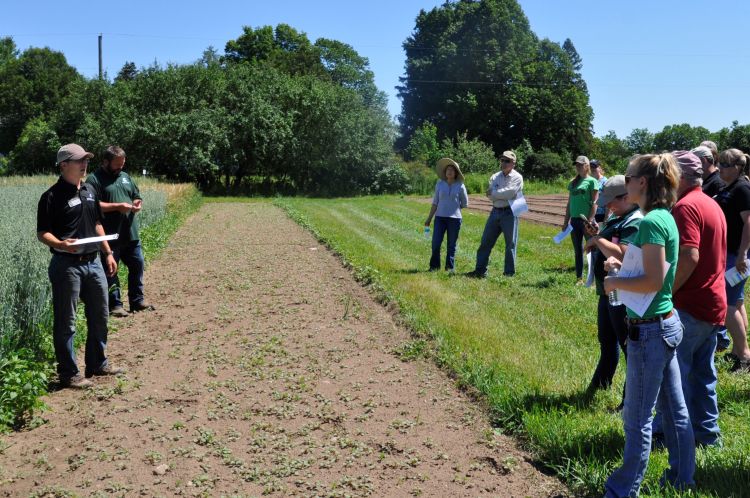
<point x="74" y="202"/>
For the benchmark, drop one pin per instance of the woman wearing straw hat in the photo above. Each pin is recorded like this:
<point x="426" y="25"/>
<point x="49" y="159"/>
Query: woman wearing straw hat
<point x="450" y="197"/>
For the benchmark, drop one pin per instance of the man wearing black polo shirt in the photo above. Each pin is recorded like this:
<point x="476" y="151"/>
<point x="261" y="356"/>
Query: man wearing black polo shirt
<point x="69" y="211"/>
<point x="120" y="200"/>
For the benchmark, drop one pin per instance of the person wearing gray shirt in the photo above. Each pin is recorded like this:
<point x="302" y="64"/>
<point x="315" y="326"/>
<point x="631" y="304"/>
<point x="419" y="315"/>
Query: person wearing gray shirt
<point x="504" y="186"/>
<point x="450" y="197"/>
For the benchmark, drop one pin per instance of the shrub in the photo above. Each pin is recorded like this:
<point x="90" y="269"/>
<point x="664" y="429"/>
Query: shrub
<point x="22" y="383"/>
<point x="473" y="155"/>
<point x="36" y="148"/>
<point x="424" y="146"/>
<point x="546" y="165"/>
<point x="391" y="179"/>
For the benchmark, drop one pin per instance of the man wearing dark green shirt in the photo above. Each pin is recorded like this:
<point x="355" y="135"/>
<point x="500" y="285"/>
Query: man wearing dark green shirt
<point x="121" y="201"/>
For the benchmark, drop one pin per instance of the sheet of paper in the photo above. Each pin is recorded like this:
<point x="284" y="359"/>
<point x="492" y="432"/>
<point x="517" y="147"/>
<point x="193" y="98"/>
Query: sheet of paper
<point x="632" y="266"/>
<point x="518" y="206"/>
<point x="590" y="276"/>
<point x="91" y="240"/>
<point x="561" y="236"/>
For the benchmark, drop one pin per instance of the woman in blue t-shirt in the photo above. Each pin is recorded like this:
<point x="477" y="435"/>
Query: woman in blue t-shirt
<point x="450" y="197"/>
<point x="653" y="374"/>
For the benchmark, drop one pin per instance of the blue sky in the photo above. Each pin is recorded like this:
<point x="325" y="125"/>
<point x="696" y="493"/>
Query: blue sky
<point x="647" y="63"/>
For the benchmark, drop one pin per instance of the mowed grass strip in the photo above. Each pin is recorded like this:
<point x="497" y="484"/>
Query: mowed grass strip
<point x="527" y="343"/>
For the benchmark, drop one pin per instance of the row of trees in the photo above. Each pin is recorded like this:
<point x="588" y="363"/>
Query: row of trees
<point x="476" y="67"/>
<point x="615" y="151"/>
<point x="275" y="109"/>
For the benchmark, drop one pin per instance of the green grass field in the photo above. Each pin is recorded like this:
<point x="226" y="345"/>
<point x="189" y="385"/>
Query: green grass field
<point x="527" y="344"/>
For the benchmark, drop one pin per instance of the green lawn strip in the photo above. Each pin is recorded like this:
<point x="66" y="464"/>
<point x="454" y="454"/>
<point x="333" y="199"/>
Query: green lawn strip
<point x="528" y="344"/>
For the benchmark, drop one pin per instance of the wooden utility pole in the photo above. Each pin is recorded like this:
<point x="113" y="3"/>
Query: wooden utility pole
<point x="100" y="56"/>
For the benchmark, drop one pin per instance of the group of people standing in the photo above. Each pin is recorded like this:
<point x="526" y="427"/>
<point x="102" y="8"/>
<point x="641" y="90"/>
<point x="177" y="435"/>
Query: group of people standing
<point x="686" y="214"/>
<point x="72" y="210"/>
<point x="450" y="197"/>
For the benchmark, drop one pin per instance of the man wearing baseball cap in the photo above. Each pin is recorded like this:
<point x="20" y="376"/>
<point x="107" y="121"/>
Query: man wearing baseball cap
<point x="68" y="211"/>
<point x="712" y="182"/>
<point x="504" y="186"/>
<point x="699" y="295"/>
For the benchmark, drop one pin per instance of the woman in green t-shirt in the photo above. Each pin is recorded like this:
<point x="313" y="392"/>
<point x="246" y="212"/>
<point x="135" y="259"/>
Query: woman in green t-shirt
<point x="583" y="194"/>
<point x="653" y="374"/>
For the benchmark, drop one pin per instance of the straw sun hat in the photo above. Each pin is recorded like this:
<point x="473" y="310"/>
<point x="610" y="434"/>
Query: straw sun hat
<point x="443" y="164"/>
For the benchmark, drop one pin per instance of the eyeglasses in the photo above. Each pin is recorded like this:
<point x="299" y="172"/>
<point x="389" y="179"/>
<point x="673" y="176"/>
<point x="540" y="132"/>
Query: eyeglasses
<point x="725" y="165"/>
<point x="503" y="160"/>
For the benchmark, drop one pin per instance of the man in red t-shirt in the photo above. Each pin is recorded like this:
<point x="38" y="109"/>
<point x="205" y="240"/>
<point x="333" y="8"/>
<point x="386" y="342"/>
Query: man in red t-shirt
<point x="699" y="295"/>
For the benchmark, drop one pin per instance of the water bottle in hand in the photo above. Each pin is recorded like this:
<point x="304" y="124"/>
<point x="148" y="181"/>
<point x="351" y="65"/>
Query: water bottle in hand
<point x="613" y="299"/>
<point x="427" y="232"/>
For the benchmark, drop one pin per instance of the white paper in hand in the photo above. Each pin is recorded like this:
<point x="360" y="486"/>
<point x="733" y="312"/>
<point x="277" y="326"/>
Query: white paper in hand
<point x="91" y="240"/>
<point x="518" y="206"/>
<point x="632" y="266"/>
<point x="561" y="236"/>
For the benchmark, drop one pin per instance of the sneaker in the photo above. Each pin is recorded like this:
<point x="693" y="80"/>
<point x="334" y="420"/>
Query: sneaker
<point x="106" y="370"/>
<point x="740" y="366"/>
<point x="76" y="382"/>
<point x="141" y="307"/>
<point x="119" y="312"/>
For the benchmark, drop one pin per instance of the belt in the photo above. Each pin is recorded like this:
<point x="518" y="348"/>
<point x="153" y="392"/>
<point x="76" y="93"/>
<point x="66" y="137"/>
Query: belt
<point x="638" y="321"/>
<point x="501" y="208"/>
<point x="85" y="258"/>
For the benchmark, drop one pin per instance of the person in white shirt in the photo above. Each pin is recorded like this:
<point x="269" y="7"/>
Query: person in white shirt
<point x="504" y="186"/>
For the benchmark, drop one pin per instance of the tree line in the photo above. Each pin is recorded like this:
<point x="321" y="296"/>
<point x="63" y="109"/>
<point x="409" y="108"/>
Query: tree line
<point x="278" y="113"/>
<point x="274" y="109"/>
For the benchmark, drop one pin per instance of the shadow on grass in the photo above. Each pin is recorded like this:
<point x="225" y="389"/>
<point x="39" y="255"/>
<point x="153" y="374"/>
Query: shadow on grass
<point x="721" y="479"/>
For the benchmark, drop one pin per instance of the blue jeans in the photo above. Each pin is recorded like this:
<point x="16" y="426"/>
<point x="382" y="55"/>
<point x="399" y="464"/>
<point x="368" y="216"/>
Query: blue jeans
<point x="613" y="334"/>
<point x="70" y="280"/>
<point x="501" y="220"/>
<point x="131" y="254"/>
<point x="577" y="236"/>
<point x="653" y="379"/>
<point x="695" y="355"/>
<point x="452" y="226"/>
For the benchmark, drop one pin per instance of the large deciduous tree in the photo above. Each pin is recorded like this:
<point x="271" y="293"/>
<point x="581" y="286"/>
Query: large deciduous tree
<point x="475" y="66"/>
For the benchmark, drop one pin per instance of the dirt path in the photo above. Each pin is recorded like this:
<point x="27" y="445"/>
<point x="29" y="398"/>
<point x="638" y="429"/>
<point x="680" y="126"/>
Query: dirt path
<point x="265" y="369"/>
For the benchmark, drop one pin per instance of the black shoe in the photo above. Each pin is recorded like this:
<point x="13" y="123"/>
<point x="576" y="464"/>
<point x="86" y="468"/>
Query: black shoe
<point x="476" y="274"/>
<point x="105" y="370"/>
<point x="141" y="307"/>
<point x="119" y="312"/>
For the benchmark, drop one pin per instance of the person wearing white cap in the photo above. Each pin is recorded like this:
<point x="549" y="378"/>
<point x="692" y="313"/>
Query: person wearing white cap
<point x="450" y="197"/>
<point x="504" y="186"/>
<point x="712" y="182"/>
<point x="69" y="211"/>
<point x="583" y="194"/>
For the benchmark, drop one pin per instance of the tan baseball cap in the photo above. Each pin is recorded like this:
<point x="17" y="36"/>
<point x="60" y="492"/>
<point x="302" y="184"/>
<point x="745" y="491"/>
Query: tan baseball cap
<point x="509" y="154"/>
<point x="582" y="160"/>
<point x="72" y="152"/>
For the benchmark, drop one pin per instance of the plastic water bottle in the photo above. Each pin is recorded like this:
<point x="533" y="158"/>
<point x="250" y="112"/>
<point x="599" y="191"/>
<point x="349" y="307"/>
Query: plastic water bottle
<point x="427" y="232"/>
<point x="613" y="299"/>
